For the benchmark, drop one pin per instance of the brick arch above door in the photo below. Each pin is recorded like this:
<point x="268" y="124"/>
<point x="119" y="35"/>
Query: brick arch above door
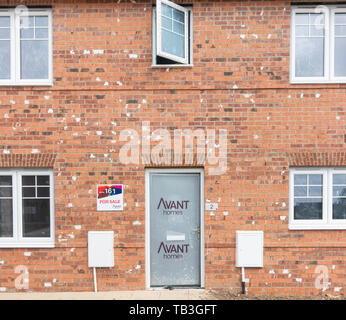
<point x="317" y="159"/>
<point x="23" y="160"/>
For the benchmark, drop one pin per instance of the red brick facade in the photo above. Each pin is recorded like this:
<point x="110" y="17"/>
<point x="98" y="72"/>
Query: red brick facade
<point x="239" y="82"/>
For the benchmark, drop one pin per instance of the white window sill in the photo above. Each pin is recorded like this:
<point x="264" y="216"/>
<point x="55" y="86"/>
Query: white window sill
<point x="172" y="65"/>
<point x="27" y="245"/>
<point x="28" y="84"/>
<point x="317" y="227"/>
<point x="317" y="81"/>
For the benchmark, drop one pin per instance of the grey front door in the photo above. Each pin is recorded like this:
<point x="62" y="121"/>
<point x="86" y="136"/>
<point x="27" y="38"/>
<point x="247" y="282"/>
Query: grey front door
<point x="175" y="229"/>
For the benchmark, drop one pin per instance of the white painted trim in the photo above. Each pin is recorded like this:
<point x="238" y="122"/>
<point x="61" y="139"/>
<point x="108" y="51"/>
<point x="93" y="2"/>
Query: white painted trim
<point x="327" y="222"/>
<point x="190" y="41"/>
<point x="18" y="241"/>
<point x="315" y="81"/>
<point x="15" y="50"/>
<point x="147" y="229"/>
<point x="317" y="227"/>
<point x="172" y="65"/>
<point x="153" y="37"/>
<point x="147" y="220"/>
<point x="27" y="244"/>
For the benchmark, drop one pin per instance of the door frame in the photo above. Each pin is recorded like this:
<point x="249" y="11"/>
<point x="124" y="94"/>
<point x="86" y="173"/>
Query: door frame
<point x="147" y="219"/>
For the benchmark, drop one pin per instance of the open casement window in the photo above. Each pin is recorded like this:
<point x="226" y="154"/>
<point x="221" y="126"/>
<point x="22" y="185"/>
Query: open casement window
<point x="318" y="44"/>
<point x="26" y="209"/>
<point x="25" y="47"/>
<point x="317" y="198"/>
<point x="172" y="38"/>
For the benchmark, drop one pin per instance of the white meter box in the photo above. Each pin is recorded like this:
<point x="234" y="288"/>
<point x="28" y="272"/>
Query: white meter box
<point x="249" y="249"/>
<point x="100" y="249"/>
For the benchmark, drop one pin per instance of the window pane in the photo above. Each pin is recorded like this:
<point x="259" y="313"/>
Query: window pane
<point x="41" y="33"/>
<point x="340" y="57"/>
<point x="300" y="179"/>
<point x="309" y="57"/>
<point x="302" y="30"/>
<point x="315" y="179"/>
<point x="36" y="218"/>
<point x="34" y="59"/>
<point x="340" y="18"/>
<point x="307" y="209"/>
<point x="27" y="33"/>
<point x="26" y="22"/>
<point x="173" y="43"/>
<point x="5" y="192"/>
<point x="5" y="33"/>
<point x="316" y="30"/>
<point x="339" y="191"/>
<point x="339" y="178"/>
<point x="178" y="15"/>
<point x="5" y="180"/>
<point x="173" y="31"/>
<point x="302" y="18"/>
<point x="28" y="180"/>
<point x="41" y="21"/>
<point x="339" y="194"/>
<point x="316" y="19"/>
<point x="340" y="30"/>
<point x="167" y="23"/>
<point x="339" y="208"/>
<point x="178" y="28"/>
<point x="5" y="59"/>
<point x="315" y="191"/>
<point x="166" y="10"/>
<point x="43" y="191"/>
<point x="4" y="22"/>
<point x="300" y="191"/>
<point x="6" y="216"/>
<point x="28" y="192"/>
<point x="43" y="180"/>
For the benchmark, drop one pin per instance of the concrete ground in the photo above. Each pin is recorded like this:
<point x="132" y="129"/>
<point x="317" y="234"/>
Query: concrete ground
<point x="176" y="294"/>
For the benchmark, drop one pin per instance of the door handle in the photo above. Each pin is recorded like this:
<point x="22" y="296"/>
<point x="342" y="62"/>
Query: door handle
<point x="198" y="230"/>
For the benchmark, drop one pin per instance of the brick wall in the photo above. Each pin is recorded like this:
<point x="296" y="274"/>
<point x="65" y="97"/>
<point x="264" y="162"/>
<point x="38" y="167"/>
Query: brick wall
<point x="239" y="82"/>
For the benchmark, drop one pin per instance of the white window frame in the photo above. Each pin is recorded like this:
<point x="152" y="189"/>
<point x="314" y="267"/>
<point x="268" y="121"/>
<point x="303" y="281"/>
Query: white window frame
<point x="329" y="13"/>
<point x="15" y="48"/>
<point x="327" y="222"/>
<point x="18" y="241"/>
<point x="332" y="46"/>
<point x="9" y="13"/>
<point x="157" y="39"/>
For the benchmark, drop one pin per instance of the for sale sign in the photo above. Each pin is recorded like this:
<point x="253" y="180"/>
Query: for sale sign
<point x="110" y="197"/>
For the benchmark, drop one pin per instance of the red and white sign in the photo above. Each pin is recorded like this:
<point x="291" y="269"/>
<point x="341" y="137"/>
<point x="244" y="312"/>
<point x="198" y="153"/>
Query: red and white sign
<point x="110" y="197"/>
